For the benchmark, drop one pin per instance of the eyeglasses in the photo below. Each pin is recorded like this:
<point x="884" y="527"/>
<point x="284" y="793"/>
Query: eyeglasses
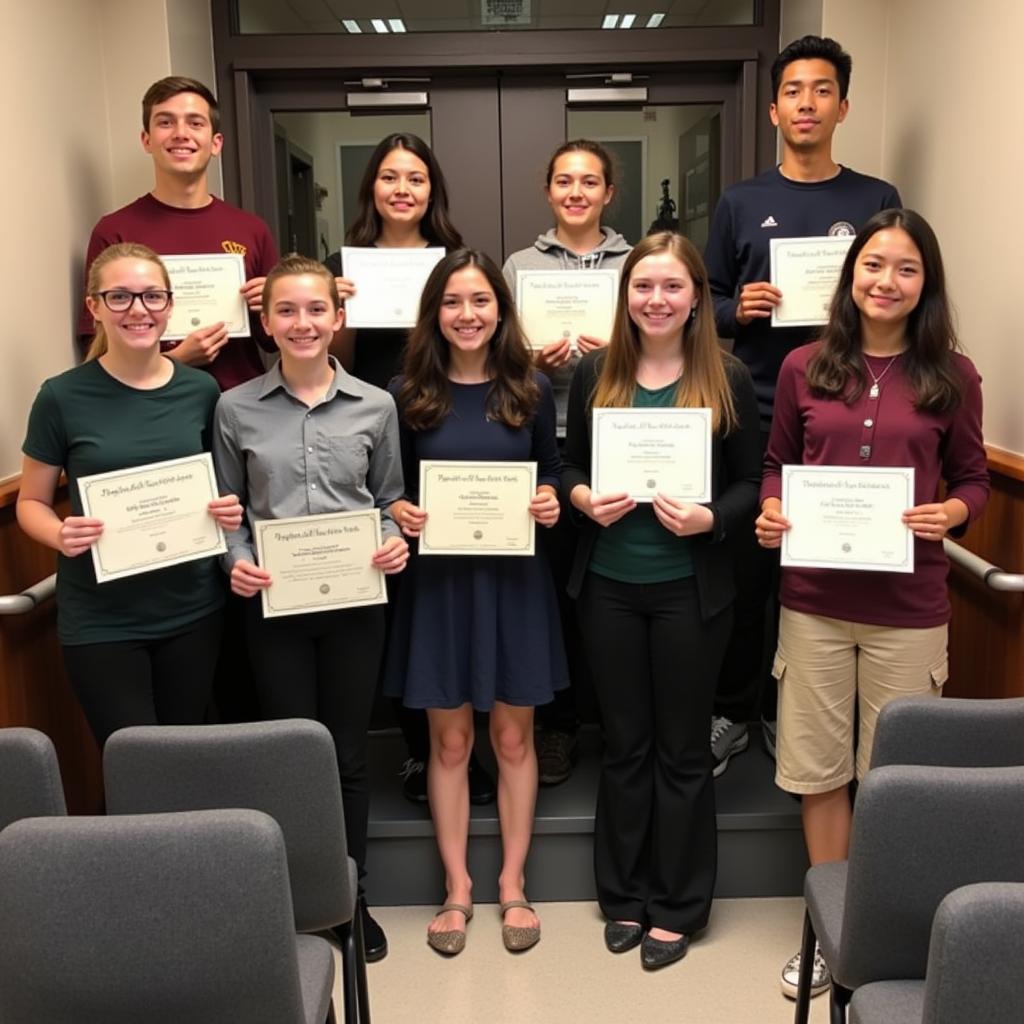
<point x="120" y="300"/>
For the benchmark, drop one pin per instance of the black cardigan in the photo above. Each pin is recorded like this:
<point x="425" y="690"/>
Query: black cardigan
<point x="735" y="482"/>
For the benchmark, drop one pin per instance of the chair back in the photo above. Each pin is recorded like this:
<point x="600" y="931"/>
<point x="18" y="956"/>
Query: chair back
<point x="30" y="785"/>
<point x="156" y="918"/>
<point x="919" y="833"/>
<point x="954" y="731"/>
<point x="975" y="958"/>
<point x="287" y="769"/>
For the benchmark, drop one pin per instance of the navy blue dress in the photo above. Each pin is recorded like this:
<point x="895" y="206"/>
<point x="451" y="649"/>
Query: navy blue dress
<point x="476" y="629"/>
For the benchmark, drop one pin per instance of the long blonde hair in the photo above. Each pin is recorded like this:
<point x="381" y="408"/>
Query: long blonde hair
<point x="704" y="383"/>
<point x="118" y="251"/>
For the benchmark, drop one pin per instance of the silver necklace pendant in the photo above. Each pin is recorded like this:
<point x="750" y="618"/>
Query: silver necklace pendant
<point x="873" y="391"/>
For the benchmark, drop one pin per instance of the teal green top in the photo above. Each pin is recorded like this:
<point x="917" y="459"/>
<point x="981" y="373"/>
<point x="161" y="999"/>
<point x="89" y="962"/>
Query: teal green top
<point x="86" y="422"/>
<point x="637" y="548"/>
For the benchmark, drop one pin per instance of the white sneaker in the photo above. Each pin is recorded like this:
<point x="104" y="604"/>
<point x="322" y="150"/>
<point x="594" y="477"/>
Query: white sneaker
<point x="820" y="977"/>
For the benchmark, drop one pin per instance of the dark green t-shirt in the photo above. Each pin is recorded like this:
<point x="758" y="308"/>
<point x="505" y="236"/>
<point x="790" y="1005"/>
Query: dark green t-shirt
<point x="86" y="422"/>
<point x="637" y="548"/>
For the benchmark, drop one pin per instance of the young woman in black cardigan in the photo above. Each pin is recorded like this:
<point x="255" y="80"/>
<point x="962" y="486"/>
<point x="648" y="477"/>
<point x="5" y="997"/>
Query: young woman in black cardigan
<point x="655" y="589"/>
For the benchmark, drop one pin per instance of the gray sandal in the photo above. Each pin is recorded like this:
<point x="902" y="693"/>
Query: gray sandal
<point x="450" y="942"/>
<point x="518" y="939"/>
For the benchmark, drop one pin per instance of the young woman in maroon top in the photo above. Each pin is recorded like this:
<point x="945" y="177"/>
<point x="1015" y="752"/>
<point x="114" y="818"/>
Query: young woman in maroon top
<point x="885" y="386"/>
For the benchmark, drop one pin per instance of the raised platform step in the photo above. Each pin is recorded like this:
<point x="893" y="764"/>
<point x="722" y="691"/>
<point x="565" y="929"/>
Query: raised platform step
<point x="760" y="843"/>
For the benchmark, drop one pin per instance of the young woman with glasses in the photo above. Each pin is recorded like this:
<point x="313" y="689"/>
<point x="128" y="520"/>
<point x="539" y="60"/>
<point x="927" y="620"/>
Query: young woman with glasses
<point x="142" y="649"/>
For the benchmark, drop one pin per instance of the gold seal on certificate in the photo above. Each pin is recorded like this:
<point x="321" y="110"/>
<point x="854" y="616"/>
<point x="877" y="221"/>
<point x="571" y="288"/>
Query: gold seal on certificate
<point x="153" y="516"/>
<point x="557" y="304"/>
<point x="319" y="563"/>
<point x="207" y="290"/>
<point x="644" y="452"/>
<point x="388" y="283"/>
<point x="848" y="517"/>
<point x="477" y="508"/>
<point x="806" y="271"/>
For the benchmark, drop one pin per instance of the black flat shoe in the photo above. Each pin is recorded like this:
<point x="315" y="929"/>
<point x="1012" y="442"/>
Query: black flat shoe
<point x="655" y="953"/>
<point x="620" y="937"/>
<point x="375" y="942"/>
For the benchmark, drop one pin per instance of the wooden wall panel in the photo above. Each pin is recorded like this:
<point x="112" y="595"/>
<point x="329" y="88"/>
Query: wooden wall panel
<point x="987" y="632"/>
<point x="34" y="690"/>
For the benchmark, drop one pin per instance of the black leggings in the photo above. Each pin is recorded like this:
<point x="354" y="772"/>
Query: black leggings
<point x="654" y="662"/>
<point x="324" y="666"/>
<point x="166" y="681"/>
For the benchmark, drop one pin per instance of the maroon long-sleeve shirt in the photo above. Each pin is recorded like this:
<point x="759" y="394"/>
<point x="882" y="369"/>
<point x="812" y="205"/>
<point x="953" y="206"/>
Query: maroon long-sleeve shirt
<point x="812" y="431"/>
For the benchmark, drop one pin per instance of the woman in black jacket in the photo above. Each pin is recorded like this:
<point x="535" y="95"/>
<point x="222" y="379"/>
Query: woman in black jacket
<point x="655" y="586"/>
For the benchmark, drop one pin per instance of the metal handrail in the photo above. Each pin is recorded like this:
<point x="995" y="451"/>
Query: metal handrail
<point x="991" y="575"/>
<point x="31" y="597"/>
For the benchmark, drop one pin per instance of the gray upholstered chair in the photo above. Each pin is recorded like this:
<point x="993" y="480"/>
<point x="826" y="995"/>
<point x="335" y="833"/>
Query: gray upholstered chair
<point x="161" y="918"/>
<point x="956" y="732"/>
<point x="30" y="785"/>
<point x="918" y="833"/>
<point x="286" y="768"/>
<point x="974" y="965"/>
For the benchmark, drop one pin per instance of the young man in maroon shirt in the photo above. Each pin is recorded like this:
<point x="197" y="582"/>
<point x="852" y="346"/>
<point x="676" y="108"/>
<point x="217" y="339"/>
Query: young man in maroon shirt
<point x="180" y="217"/>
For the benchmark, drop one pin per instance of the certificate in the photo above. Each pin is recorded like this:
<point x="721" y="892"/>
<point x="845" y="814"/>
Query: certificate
<point x="477" y="508"/>
<point x="388" y="283"/>
<point x="644" y="452"/>
<point x="557" y="304"/>
<point x="319" y="563"/>
<point x="153" y="516"/>
<point x="207" y="291"/>
<point x="848" y="517"/>
<point x="806" y="271"/>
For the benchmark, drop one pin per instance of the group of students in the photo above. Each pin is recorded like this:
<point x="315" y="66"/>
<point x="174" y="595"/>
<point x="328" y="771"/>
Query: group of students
<point x="655" y="587"/>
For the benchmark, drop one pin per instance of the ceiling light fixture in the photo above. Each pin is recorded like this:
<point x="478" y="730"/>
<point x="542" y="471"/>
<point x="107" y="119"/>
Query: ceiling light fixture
<point x="351" y="26"/>
<point x="396" y="24"/>
<point x="610" y="21"/>
<point x="655" y="20"/>
<point x="627" y="21"/>
<point x="378" y="25"/>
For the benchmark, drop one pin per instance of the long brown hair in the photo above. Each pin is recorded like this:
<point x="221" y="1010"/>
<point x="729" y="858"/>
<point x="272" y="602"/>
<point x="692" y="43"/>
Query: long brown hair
<point x="436" y="226"/>
<point x="118" y="251"/>
<point x="836" y="370"/>
<point x="424" y="398"/>
<point x="704" y="383"/>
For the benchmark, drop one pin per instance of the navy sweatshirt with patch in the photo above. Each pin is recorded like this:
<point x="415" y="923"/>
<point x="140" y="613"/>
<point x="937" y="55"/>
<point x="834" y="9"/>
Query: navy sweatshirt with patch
<point x="751" y="213"/>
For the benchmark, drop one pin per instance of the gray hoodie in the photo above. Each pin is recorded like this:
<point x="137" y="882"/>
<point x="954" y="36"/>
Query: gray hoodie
<point x="547" y="253"/>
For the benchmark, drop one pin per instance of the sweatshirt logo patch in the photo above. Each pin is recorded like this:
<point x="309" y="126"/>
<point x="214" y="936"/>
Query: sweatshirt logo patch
<point x="842" y="229"/>
<point x="769" y="222"/>
<point x="235" y="247"/>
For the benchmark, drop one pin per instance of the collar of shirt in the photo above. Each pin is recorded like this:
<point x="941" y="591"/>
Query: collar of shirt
<point x="343" y="383"/>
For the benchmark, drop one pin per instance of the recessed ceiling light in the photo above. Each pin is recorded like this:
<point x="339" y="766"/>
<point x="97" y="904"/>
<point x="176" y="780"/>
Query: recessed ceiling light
<point x="396" y="24"/>
<point x="351" y="26"/>
<point x="378" y="25"/>
<point x="610" y="21"/>
<point x="627" y="21"/>
<point x="655" y="20"/>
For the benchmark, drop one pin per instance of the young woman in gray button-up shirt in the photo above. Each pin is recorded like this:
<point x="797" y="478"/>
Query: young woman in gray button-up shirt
<point x="308" y="438"/>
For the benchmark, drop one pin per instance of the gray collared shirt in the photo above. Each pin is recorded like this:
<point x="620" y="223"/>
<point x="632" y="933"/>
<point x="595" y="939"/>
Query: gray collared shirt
<point x="283" y="458"/>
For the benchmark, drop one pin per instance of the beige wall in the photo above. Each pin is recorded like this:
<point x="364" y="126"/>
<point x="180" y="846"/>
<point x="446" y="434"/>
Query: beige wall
<point x="56" y="183"/>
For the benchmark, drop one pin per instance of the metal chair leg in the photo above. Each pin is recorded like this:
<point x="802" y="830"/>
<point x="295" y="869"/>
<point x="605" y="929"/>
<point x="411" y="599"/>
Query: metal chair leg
<point x="349" y="983"/>
<point x="803" y="988"/>
<point x="838" y="1000"/>
<point x="358" y="955"/>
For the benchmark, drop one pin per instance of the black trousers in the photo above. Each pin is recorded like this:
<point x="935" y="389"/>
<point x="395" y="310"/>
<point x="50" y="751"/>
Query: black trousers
<point x="654" y="662"/>
<point x="746" y="689"/>
<point x="324" y="666"/>
<point x="166" y="681"/>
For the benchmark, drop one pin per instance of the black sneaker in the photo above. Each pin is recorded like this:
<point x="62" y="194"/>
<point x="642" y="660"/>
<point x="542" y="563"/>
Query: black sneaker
<point x="481" y="785"/>
<point x="374" y="940"/>
<point x="727" y="738"/>
<point x="414" y="780"/>
<point x="556" y="754"/>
